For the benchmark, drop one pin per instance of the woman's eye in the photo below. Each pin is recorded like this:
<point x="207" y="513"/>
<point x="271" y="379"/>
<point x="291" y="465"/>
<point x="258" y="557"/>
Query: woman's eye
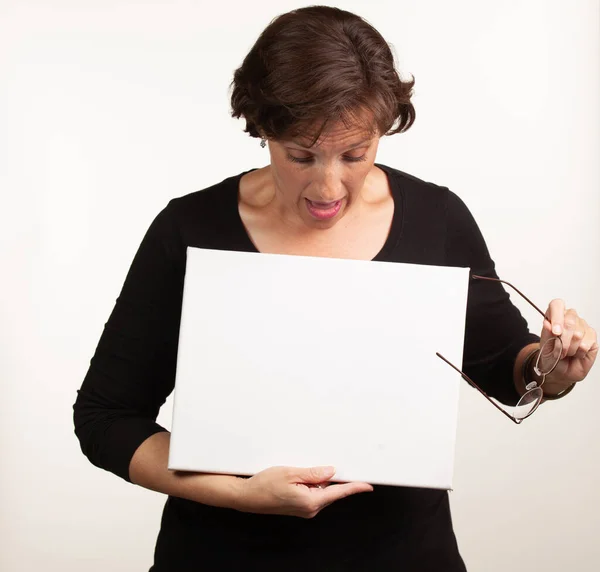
<point x="299" y="159"/>
<point x="309" y="159"/>
<point x="356" y="159"/>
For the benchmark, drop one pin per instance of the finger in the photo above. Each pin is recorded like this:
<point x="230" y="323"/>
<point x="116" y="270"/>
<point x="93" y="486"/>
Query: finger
<point x="588" y="343"/>
<point x="546" y="332"/>
<point x="316" y="499"/>
<point x="336" y="492"/>
<point x="579" y="334"/>
<point x="556" y="315"/>
<point x="311" y="475"/>
<point x="318" y="486"/>
<point x="554" y="320"/>
<point x="570" y="329"/>
<point x="591" y="356"/>
<point x="549" y="356"/>
<point x="585" y="364"/>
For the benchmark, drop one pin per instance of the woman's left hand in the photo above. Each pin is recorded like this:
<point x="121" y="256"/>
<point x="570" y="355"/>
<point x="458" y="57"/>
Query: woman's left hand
<point x="580" y="346"/>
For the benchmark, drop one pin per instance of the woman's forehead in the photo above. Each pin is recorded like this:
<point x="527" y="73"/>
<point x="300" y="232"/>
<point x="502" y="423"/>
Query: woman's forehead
<point x="336" y="135"/>
<point x="357" y="125"/>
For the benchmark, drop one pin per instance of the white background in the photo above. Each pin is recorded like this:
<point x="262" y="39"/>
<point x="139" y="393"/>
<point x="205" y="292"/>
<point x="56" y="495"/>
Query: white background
<point x="108" y="109"/>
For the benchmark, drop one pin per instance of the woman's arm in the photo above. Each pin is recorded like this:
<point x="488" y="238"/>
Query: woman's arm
<point x="579" y="352"/>
<point x="148" y="469"/>
<point x="497" y="338"/>
<point x="302" y="492"/>
<point x="496" y="334"/>
<point x="518" y="378"/>
<point x="131" y="375"/>
<point x="133" y="368"/>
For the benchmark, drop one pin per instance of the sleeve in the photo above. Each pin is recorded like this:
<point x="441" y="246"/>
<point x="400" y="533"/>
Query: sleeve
<point x="133" y="369"/>
<point x="495" y="331"/>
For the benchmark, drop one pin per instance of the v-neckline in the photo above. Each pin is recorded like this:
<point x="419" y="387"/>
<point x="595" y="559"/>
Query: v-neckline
<point x="393" y="237"/>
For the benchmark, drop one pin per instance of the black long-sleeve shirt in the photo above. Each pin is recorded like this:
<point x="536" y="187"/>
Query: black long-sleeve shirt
<point x="133" y="371"/>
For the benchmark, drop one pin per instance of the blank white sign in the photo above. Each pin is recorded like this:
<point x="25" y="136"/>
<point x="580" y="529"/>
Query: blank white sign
<point x="302" y="361"/>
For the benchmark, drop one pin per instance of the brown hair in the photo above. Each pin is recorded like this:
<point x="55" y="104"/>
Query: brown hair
<point x="314" y="64"/>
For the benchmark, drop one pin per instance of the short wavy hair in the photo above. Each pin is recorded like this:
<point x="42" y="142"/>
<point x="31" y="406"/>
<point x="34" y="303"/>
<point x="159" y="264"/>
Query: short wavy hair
<point x="317" y="64"/>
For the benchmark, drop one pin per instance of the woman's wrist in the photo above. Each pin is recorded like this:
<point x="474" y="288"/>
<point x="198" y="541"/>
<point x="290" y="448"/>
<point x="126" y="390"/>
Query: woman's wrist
<point x="556" y="390"/>
<point x="223" y="491"/>
<point x="529" y="373"/>
<point x="552" y="389"/>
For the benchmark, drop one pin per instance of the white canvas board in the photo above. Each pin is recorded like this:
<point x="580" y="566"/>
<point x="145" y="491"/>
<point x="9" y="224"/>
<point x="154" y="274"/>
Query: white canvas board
<point x="305" y="361"/>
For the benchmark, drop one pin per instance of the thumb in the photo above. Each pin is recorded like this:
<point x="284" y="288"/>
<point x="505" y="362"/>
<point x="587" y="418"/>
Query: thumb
<point x="546" y="333"/>
<point x="315" y="474"/>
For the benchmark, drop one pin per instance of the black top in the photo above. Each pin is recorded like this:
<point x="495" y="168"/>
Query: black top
<point x="133" y="372"/>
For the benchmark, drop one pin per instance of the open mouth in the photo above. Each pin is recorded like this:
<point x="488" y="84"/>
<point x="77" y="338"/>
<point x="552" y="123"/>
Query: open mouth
<point x="323" y="211"/>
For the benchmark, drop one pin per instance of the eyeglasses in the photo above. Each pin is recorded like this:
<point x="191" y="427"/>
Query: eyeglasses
<point x="547" y="359"/>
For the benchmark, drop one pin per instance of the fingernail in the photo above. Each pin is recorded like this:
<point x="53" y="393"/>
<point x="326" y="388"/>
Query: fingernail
<point x="328" y="471"/>
<point x="556" y="329"/>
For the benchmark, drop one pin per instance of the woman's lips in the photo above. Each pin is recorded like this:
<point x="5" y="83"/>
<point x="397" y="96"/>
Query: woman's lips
<point x="323" y="211"/>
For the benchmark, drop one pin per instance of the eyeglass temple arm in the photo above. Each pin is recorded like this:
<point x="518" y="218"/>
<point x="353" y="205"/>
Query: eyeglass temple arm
<point x="477" y="277"/>
<point x="472" y="383"/>
<point x="464" y="375"/>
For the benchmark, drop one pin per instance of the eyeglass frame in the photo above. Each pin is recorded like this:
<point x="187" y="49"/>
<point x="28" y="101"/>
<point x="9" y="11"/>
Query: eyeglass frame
<point x="529" y="386"/>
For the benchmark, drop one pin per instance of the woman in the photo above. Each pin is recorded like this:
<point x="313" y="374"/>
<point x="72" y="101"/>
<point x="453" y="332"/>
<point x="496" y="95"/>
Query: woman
<point x="320" y="87"/>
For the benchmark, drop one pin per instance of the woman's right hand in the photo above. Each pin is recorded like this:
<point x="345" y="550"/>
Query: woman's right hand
<point x="293" y="491"/>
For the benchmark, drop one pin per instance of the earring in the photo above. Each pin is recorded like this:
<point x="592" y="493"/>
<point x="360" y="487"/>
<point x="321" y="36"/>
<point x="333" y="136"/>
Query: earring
<point x="263" y="142"/>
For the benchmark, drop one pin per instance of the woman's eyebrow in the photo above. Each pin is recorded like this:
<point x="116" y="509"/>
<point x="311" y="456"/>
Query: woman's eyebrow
<point x="353" y="146"/>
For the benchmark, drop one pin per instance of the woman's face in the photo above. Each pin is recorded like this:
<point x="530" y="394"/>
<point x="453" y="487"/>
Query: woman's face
<point x="319" y="185"/>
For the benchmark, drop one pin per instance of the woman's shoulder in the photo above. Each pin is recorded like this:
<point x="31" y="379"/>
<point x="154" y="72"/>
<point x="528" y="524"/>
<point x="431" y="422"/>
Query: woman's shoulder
<point x="214" y="196"/>
<point x="420" y="191"/>
<point x="412" y="183"/>
<point x="206" y="217"/>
